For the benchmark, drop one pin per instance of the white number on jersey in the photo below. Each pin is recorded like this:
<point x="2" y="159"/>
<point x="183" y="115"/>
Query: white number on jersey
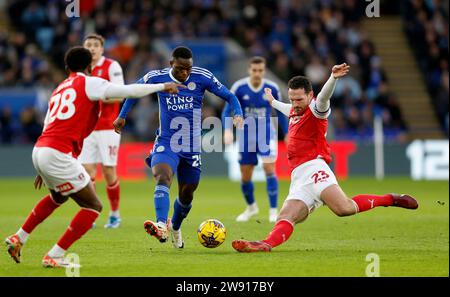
<point x="62" y="106"/>
<point x="197" y="161"/>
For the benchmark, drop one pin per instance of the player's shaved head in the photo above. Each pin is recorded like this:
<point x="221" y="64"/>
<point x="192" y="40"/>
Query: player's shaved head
<point x="77" y="59"/>
<point x="300" y="82"/>
<point x="182" y="52"/>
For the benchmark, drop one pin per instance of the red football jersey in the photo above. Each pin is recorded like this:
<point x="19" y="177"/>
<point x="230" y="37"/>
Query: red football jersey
<point x="307" y="137"/>
<point x="111" y="71"/>
<point x="70" y="118"/>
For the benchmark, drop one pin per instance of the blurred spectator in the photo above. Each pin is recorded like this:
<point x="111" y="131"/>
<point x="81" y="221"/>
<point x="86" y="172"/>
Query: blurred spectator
<point x="317" y="72"/>
<point x="395" y="113"/>
<point x="426" y="25"/>
<point x="31" y="128"/>
<point x="297" y="37"/>
<point x="348" y="87"/>
<point x="20" y="62"/>
<point x="6" y="126"/>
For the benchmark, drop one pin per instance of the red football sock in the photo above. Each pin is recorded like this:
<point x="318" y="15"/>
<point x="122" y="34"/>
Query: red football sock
<point x="113" y="192"/>
<point x="39" y="213"/>
<point x="280" y="233"/>
<point x="367" y="202"/>
<point x="80" y="224"/>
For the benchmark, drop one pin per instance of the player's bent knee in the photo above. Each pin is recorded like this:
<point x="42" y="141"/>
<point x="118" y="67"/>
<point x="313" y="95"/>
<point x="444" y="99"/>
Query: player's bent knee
<point x="294" y="211"/>
<point x="186" y="194"/>
<point x="110" y="174"/>
<point x="186" y="200"/>
<point x="162" y="179"/>
<point x="97" y="206"/>
<point x="246" y="180"/>
<point x="344" y="211"/>
<point x="246" y="173"/>
<point x="269" y="169"/>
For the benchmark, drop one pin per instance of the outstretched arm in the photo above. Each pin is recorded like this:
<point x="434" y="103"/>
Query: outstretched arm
<point x="323" y="99"/>
<point x="101" y="89"/>
<point x="133" y="90"/>
<point x="222" y="92"/>
<point x="128" y="104"/>
<point x="98" y="89"/>
<point x="284" y="108"/>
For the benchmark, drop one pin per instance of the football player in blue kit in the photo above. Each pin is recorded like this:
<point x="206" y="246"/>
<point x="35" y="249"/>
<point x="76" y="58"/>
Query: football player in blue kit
<point x="258" y="138"/>
<point x="177" y="147"/>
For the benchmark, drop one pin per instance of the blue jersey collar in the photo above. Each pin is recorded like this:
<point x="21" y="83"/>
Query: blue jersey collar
<point x="258" y="89"/>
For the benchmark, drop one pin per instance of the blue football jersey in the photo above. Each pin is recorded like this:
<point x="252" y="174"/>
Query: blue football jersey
<point x="255" y="106"/>
<point x="180" y="121"/>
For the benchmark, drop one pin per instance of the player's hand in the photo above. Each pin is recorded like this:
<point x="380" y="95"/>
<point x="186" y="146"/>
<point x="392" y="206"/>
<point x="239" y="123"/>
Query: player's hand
<point x="340" y="70"/>
<point x="119" y="123"/>
<point x="38" y="182"/>
<point x="173" y="88"/>
<point x="228" y="137"/>
<point x="238" y="121"/>
<point x="269" y="97"/>
<point x="286" y="139"/>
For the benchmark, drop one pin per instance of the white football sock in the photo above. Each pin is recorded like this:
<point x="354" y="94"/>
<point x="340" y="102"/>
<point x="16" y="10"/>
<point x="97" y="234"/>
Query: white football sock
<point x="23" y="236"/>
<point x="253" y="206"/>
<point x="115" y="213"/>
<point x="56" y="252"/>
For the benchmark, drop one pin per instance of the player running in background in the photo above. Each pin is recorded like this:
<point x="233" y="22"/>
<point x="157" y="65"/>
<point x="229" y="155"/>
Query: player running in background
<point x="312" y="181"/>
<point x="177" y="148"/>
<point x="102" y="145"/>
<point x="250" y="92"/>
<point x="72" y="115"/>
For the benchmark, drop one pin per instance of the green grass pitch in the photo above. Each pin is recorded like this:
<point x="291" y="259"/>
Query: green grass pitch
<point x="408" y="243"/>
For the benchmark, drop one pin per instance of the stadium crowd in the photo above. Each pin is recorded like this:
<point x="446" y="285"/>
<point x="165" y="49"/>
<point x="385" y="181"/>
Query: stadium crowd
<point x="426" y="25"/>
<point x="297" y="37"/>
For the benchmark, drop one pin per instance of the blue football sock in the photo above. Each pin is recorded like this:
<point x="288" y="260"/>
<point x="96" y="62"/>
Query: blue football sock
<point x="180" y="212"/>
<point x="247" y="190"/>
<point x="162" y="203"/>
<point x="272" y="190"/>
